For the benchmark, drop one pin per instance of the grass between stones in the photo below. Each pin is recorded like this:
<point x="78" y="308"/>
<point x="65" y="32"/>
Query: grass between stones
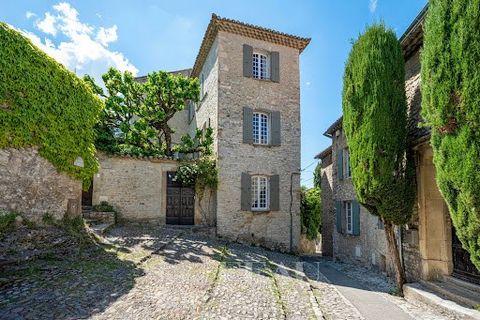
<point x="270" y="271"/>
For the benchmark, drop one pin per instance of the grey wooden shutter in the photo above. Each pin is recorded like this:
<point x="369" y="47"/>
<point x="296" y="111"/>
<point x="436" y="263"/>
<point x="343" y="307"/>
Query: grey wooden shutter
<point x="246" y="192"/>
<point x="340" y="164"/>
<point x="274" y="193"/>
<point x="355" y="218"/>
<point x="247" y="61"/>
<point x="275" y="139"/>
<point x="338" y="216"/>
<point x="247" y="125"/>
<point x="275" y="66"/>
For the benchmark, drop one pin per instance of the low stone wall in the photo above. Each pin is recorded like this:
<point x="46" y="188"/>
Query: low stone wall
<point x="136" y="188"/>
<point x="31" y="185"/>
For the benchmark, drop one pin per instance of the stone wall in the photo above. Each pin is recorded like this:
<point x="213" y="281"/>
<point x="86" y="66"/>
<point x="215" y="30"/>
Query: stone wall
<point x="31" y="185"/>
<point x="270" y="229"/>
<point x="370" y="247"/>
<point x="328" y="210"/>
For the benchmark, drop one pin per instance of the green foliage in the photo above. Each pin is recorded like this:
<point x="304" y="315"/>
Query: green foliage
<point x="450" y="106"/>
<point x="43" y="104"/>
<point x="202" y="173"/>
<point x="104" y="206"/>
<point x="375" y="124"/>
<point x="202" y="142"/>
<point x="317" y="176"/>
<point x="311" y="212"/>
<point x="136" y="115"/>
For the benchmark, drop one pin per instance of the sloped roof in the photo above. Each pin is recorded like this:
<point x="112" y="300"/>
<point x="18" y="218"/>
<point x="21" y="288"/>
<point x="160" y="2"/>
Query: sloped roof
<point x="248" y="30"/>
<point x="185" y="72"/>
<point x="324" y="153"/>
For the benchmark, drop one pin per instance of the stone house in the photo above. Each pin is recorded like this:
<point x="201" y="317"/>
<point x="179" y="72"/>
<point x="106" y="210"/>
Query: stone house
<point x="250" y="96"/>
<point x="429" y="247"/>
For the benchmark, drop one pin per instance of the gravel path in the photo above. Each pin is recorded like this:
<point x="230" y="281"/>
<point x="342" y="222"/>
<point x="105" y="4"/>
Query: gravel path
<point x="150" y="272"/>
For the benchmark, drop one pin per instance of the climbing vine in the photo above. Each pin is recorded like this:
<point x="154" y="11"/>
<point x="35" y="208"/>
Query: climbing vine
<point x="43" y="104"/>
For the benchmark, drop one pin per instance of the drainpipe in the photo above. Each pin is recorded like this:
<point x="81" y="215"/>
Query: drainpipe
<point x="291" y="204"/>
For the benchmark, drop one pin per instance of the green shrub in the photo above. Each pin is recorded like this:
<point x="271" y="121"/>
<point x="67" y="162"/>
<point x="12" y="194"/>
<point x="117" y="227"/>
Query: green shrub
<point x="104" y="206"/>
<point x="451" y="107"/>
<point x="311" y="212"/>
<point x="43" y="104"/>
<point x="6" y="221"/>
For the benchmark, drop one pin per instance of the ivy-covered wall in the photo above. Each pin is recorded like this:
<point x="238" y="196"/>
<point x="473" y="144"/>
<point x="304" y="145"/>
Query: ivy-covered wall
<point x="43" y="104"/>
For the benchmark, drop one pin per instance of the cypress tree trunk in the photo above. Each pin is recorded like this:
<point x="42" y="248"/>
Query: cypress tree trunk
<point x="394" y="255"/>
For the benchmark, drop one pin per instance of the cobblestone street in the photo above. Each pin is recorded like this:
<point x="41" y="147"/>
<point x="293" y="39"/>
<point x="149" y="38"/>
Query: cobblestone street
<point x="163" y="273"/>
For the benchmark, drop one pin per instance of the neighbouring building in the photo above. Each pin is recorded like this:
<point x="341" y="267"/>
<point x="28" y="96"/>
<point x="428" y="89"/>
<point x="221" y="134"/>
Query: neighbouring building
<point x="429" y="248"/>
<point x="250" y="96"/>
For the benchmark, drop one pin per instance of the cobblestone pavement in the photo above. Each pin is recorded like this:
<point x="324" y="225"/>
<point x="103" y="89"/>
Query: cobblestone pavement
<point x="163" y="273"/>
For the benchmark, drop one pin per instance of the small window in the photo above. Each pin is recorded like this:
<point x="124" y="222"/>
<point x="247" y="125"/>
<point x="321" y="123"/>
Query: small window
<point x="348" y="216"/>
<point x="261" y="66"/>
<point x="191" y="110"/>
<point x="261" y="128"/>
<point x="260" y="193"/>
<point x="202" y="86"/>
<point x="347" y="173"/>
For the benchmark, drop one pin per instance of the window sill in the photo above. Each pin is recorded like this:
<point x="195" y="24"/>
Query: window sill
<point x="260" y="210"/>
<point x="259" y="145"/>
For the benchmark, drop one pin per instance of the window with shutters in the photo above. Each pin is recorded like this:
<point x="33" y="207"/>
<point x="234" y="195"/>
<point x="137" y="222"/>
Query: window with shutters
<point x="260" y="193"/>
<point x="202" y="86"/>
<point x="347" y="205"/>
<point x="347" y="173"/>
<point x="261" y="128"/>
<point x="261" y="66"/>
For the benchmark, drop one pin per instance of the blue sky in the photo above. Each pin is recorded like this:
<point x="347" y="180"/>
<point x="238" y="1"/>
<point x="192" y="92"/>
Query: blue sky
<point x="146" y="35"/>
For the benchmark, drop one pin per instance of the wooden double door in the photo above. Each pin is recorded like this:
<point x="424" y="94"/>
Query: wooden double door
<point x="180" y="202"/>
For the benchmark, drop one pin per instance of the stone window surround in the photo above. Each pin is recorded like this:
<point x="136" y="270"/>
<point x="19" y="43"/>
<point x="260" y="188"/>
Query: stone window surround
<point x="267" y="115"/>
<point x="258" y="54"/>
<point x="256" y="194"/>
<point x="348" y="211"/>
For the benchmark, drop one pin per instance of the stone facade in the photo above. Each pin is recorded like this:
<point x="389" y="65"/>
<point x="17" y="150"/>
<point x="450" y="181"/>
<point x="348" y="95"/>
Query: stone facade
<point x="272" y="229"/>
<point x="369" y="247"/>
<point x="31" y="185"/>
<point x="328" y="210"/>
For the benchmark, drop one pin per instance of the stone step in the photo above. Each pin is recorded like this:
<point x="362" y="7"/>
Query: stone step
<point x="420" y="292"/>
<point x="463" y="284"/>
<point x="454" y="292"/>
<point x="105" y="217"/>
<point x="100" y="228"/>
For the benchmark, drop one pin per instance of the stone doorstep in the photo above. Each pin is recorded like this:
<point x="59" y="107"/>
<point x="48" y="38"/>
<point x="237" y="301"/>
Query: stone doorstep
<point x="464" y="284"/>
<point x="107" y="217"/>
<point x="426" y="293"/>
<point x="455" y="292"/>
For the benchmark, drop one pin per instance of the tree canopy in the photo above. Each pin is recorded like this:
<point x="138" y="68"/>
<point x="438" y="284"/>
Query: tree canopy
<point x="375" y="124"/>
<point x="311" y="212"/>
<point x="451" y="107"/>
<point x="136" y="114"/>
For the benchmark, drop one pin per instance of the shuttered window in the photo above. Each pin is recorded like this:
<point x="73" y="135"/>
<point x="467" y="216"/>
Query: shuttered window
<point x="260" y="192"/>
<point x="261" y="64"/>
<point x="261" y="128"/>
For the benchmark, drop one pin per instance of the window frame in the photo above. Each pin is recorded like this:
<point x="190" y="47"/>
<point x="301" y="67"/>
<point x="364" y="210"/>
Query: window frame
<point x="262" y="140"/>
<point x="347" y="172"/>
<point x="257" y="64"/>
<point x="348" y="209"/>
<point x="256" y="194"/>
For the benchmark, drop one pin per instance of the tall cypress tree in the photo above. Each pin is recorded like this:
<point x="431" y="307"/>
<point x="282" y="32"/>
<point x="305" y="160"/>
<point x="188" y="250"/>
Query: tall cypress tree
<point x="375" y="124"/>
<point x="451" y="107"/>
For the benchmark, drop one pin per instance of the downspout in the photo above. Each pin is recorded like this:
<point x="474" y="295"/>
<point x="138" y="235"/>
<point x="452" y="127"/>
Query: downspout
<point x="291" y="205"/>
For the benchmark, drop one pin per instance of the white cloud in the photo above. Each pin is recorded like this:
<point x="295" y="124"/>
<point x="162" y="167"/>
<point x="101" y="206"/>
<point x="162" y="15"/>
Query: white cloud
<point x="84" y="49"/>
<point x="107" y="35"/>
<point x="47" y="25"/>
<point x="308" y="83"/>
<point x="30" y="14"/>
<point x="372" y="5"/>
